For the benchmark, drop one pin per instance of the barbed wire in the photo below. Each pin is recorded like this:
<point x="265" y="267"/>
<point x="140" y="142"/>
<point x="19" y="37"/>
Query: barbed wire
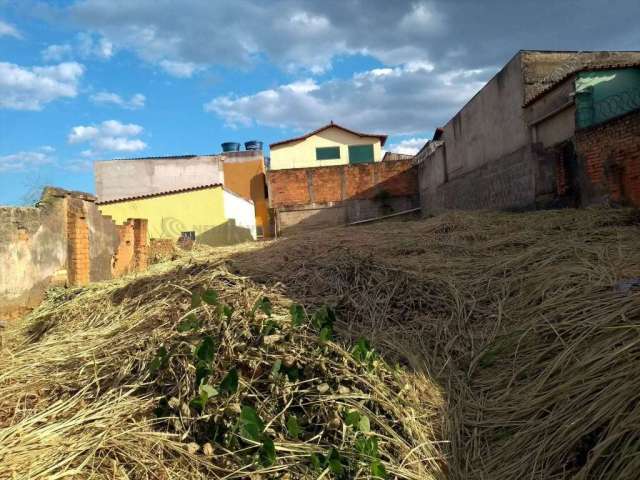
<point x="617" y="104"/>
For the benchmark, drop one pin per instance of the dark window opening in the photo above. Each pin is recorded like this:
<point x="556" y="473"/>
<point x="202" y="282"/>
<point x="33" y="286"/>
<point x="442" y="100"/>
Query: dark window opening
<point x="328" y="153"/>
<point x="360" y="154"/>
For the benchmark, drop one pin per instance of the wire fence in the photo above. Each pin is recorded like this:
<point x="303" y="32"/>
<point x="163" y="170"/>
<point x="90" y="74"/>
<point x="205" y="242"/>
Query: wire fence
<point x="617" y="104"/>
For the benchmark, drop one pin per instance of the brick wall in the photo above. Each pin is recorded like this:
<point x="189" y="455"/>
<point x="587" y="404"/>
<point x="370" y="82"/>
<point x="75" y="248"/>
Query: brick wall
<point x="609" y="155"/>
<point x="303" y="186"/>
<point x="78" y="265"/>
<point x="133" y="250"/>
<point x="306" y="198"/>
<point x="64" y="240"/>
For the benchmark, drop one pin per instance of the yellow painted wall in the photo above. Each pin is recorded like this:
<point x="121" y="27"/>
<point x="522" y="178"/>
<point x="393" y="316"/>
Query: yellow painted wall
<point x="169" y="215"/>
<point x="302" y="154"/>
<point x="247" y="179"/>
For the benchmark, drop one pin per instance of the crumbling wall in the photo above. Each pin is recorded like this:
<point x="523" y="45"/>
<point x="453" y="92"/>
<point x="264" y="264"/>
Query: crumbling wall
<point x="317" y="197"/>
<point x="64" y="240"/>
<point x="609" y="159"/>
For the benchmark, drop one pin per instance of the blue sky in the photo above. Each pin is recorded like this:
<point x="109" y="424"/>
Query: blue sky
<point x="84" y="80"/>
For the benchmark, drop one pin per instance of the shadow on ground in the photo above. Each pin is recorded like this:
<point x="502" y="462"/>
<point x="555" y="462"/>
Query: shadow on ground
<point x="514" y="315"/>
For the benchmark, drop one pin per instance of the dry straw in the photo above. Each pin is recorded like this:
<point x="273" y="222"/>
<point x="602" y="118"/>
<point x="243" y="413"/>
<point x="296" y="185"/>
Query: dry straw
<point x="528" y="322"/>
<point x="100" y="382"/>
<point x="518" y="336"/>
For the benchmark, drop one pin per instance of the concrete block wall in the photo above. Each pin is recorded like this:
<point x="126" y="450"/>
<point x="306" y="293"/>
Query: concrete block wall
<point x="609" y="156"/>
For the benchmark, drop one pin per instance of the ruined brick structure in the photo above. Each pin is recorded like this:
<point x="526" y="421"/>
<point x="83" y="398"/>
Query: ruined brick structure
<point x="64" y="240"/>
<point x="323" y="196"/>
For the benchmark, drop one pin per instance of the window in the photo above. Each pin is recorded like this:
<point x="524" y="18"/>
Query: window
<point x="360" y="154"/>
<point x="328" y="153"/>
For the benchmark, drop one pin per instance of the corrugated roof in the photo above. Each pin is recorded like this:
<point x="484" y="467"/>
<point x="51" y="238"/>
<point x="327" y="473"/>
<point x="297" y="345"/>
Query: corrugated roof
<point x="383" y="138"/>
<point x="159" y="194"/>
<point x="606" y="66"/>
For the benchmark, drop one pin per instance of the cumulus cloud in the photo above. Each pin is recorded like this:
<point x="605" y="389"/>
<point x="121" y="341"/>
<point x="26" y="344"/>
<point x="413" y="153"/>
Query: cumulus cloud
<point x="179" y="69"/>
<point x="85" y="46"/>
<point x="23" y="161"/>
<point x="30" y="88"/>
<point x="311" y="34"/>
<point x="110" y="135"/>
<point x="8" y="30"/>
<point x="403" y="100"/>
<point x="56" y="53"/>
<point x="408" y="146"/>
<point x="136" y="101"/>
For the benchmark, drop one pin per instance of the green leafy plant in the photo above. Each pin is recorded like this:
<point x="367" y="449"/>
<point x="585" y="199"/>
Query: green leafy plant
<point x="210" y="297"/>
<point x="206" y="350"/>
<point x="250" y="424"/>
<point x="267" y="452"/>
<point x="229" y="383"/>
<point x="323" y="320"/>
<point x="298" y="315"/>
<point x="160" y="361"/>
<point x="205" y="393"/>
<point x="227" y="311"/>
<point x="275" y="370"/>
<point x="360" y="422"/>
<point x="203" y="370"/>
<point x="293" y="427"/>
<point x="362" y="352"/>
<point x="190" y="322"/>
<point x="333" y="461"/>
<point x="264" y="305"/>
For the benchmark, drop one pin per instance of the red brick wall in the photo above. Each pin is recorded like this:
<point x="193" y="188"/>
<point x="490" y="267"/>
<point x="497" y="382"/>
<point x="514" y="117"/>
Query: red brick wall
<point x="302" y="186"/>
<point x="610" y="154"/>
<point x="133" y="250"/>
<point x="77" y="246"/>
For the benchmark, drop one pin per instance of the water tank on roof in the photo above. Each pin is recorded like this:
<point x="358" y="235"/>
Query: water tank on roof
<point x="230" y="147"/>
<point x="253" y="145"/>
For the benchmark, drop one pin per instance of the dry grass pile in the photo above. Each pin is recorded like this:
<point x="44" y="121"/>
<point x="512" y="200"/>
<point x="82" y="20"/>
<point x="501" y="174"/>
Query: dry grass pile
<point x="192" y="372"/>
<point x="530" y="323"/>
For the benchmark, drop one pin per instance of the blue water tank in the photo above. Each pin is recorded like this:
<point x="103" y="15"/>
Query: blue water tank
<point x="253" y="145"/>
<point x="230" y="147"/>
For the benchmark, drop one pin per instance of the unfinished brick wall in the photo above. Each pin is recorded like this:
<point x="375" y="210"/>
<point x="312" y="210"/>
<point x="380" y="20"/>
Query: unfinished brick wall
<point x="77" y="246"/>
<point x="302" y="186"/>
<point x="610" y="156"/>
<point x="132" y="252"/>
<point x="306" y="198"/>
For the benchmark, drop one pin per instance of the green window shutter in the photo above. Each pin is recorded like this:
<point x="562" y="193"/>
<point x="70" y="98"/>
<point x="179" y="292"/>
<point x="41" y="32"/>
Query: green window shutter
<point x="360" y="154"/>
<point x="328" y="153"/>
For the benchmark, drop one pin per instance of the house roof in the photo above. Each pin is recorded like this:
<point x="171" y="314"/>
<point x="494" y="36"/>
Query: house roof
<point x="587" y="68"/>
<point x="383" y="138"/>
<point x="159" y="194"/>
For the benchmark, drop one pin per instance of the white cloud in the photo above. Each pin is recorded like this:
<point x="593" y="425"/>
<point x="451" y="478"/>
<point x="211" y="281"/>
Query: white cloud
<point x="85" y="46"/>
<point x="135" y="102"/>
<point x="56" y="53"/>
<point x="22" y="161"/>
<point x="409" y="146"/>
<point x="8" y="30"/>
<point x="30" y="88"/>
<point x="79" y="165"/>
<point x="47" y="148"/>
<point x="185" y="38"/>
<point x="404" y="100"/>
<point x="110" y="135"/>
<point x="179" y="69"/>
